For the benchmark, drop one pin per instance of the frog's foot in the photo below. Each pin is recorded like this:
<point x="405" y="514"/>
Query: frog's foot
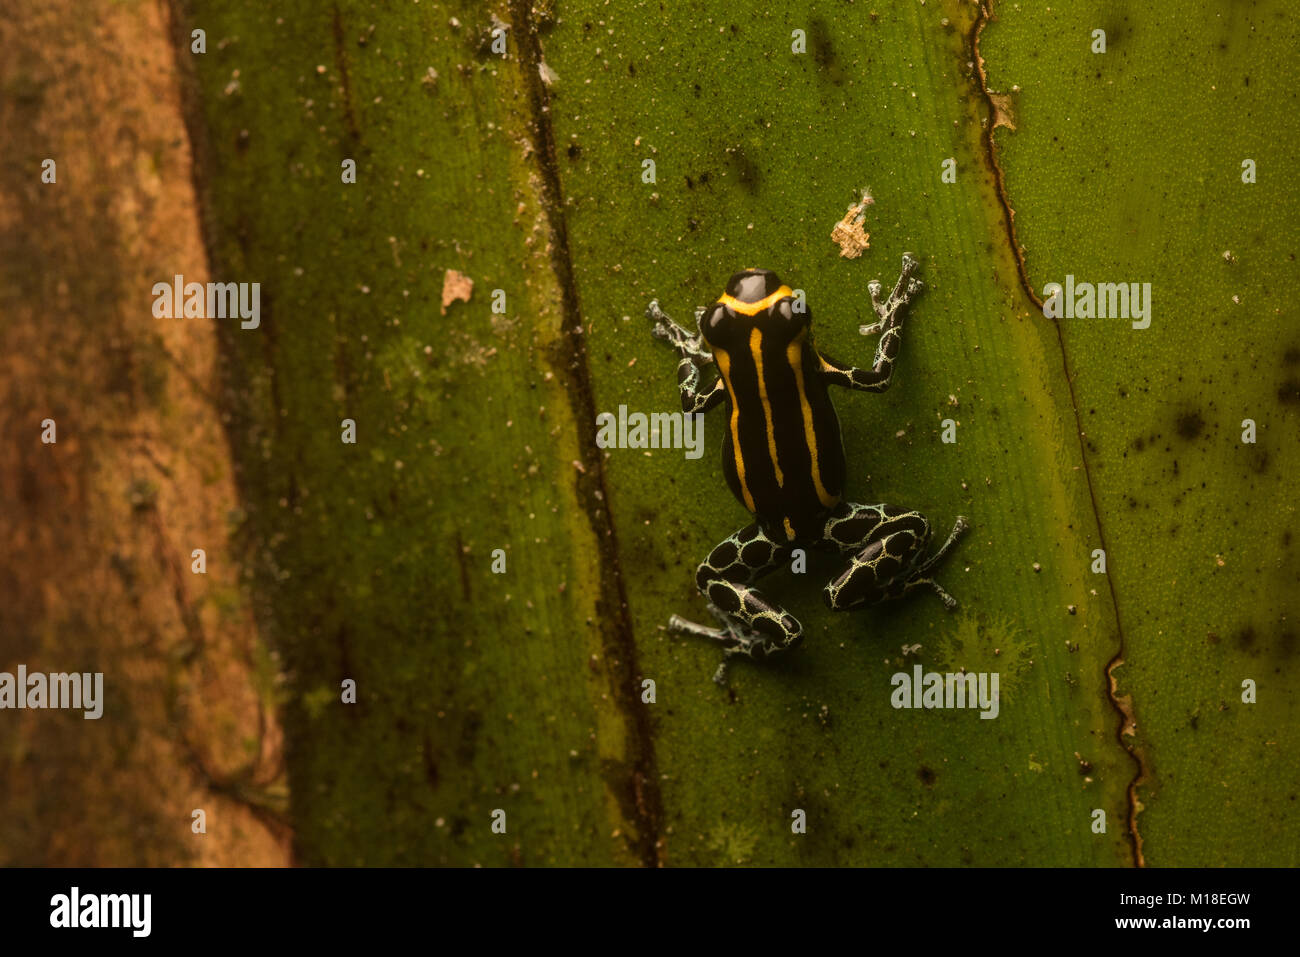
<point x="920" y="577"/>
<point x="725" y="636"/>
<point x="687" y="345"/>
<point x="904" y="291"/>
<point x="752" y="625"/>
<point x="730" y="636"/>
<point x="737" y="639"/>
<point x="885" y="546"/>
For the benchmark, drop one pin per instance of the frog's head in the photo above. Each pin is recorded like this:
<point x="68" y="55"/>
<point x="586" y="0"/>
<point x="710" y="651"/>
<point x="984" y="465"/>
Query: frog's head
<point x="755" y="299"/>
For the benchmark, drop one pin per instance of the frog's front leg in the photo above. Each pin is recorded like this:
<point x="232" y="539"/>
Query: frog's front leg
<point x="685" y="342"/>
<point x="886" y="548"/>
<point x="694" y="356"/>
<point x="752" y="624"/>
<point x="890" y="324"/>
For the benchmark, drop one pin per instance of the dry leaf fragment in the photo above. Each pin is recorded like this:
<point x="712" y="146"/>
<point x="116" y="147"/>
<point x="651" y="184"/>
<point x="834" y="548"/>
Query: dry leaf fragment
<point x="848" y="233"/>
<point x="455" y="285"/>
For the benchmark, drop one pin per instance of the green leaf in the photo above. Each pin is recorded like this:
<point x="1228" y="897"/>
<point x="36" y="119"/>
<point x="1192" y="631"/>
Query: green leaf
<point x="522" y="691"/>
<point x="1110" y="183"/>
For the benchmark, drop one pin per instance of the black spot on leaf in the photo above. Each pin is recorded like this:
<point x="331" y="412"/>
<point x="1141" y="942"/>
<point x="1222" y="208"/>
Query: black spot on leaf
<point x="745" y="168"/>
<point x="1245" y="638"/>
<point x="1190" y="425"/>
<point x="823" y="51"/>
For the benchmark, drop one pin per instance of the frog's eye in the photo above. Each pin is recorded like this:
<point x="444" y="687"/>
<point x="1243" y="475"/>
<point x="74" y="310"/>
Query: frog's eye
<point x="792" y="311"/>
<point x="712" y="320"/>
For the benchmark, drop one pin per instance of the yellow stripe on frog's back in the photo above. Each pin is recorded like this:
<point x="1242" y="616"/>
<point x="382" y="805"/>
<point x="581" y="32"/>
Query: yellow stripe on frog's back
<point x="724" y="367"/>
<point x="794" y="355"/>
<point x="754" y="308"/>
<point x="756" y="348"/>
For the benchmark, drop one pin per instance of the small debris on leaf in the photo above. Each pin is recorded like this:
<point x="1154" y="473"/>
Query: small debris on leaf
<point x="848" y="233"/>
<point x="455" y="285"/>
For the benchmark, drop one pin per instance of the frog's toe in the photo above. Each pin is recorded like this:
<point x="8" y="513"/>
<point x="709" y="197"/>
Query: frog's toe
<point x="681" y="626"/>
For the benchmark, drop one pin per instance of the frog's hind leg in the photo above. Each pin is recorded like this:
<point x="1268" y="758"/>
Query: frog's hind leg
<point x="920" y="577"/>
<point x="751" y="624"/>
<point x="886" y="548"/>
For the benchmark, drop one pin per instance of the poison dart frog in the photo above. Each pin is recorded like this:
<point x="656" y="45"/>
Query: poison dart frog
<point x="783" y="458"/>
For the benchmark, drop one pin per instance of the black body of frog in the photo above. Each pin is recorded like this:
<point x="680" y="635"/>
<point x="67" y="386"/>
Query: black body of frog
<point x="783" y="458"/>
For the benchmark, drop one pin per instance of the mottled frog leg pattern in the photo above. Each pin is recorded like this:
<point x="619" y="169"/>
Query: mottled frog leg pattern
<point x="886" y="548"/>
<point x="694" y="356"/>
<point x="752" y="624"/>
<point x="890" y="323"/>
